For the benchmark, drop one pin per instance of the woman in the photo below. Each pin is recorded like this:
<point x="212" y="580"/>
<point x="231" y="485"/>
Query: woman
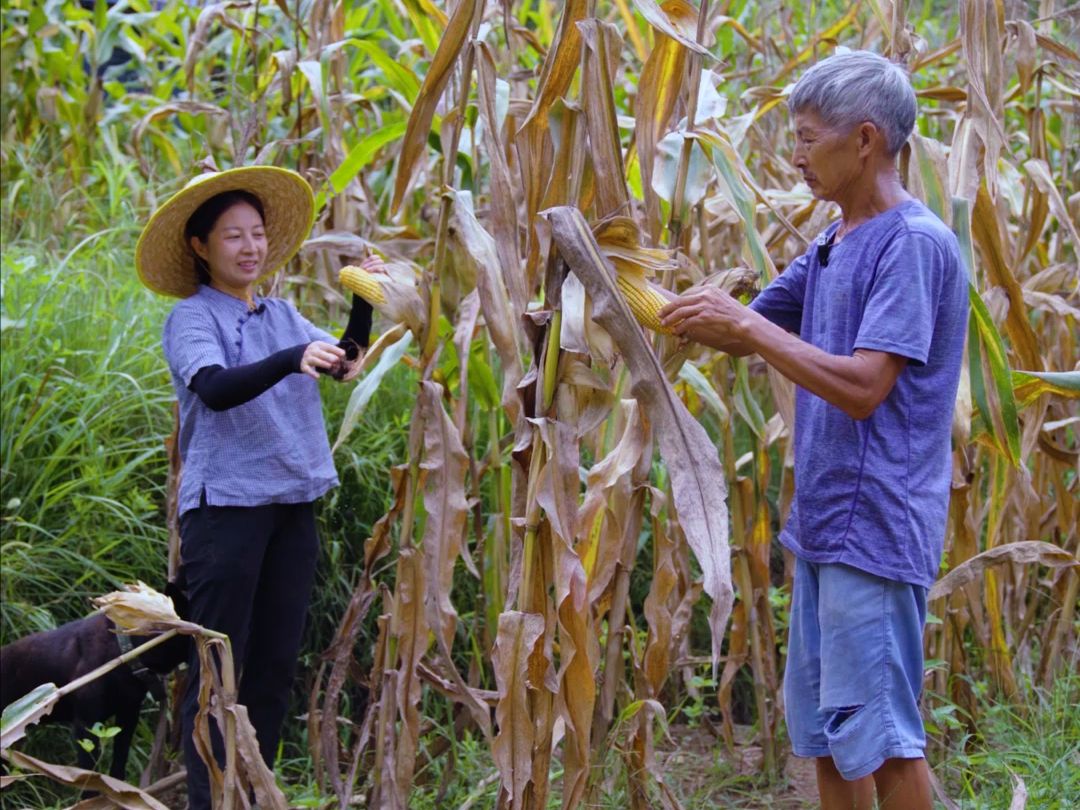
<point x="252" y="438"/>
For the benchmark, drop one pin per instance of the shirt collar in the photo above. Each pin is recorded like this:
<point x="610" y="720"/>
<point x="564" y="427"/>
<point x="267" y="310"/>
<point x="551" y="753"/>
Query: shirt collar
<point x="230" y="302"/>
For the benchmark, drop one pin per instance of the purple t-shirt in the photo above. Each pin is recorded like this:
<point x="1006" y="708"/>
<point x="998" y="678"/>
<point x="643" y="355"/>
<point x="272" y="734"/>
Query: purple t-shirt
<point x="271" y="449"/>
<point x="874" y="493"/>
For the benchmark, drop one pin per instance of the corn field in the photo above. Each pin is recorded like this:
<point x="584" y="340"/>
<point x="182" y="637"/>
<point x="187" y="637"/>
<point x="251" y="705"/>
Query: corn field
<point x="523" y="168"/>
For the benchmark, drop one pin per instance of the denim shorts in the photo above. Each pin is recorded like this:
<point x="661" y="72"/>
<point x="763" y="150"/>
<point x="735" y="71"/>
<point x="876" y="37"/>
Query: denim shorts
<point x="854" y="668"/>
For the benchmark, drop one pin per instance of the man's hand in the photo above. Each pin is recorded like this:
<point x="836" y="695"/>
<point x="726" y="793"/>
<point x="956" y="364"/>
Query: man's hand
<point x="710" y="316"/>
<point x="856" y="384"/>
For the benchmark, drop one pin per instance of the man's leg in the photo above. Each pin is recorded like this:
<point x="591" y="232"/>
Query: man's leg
<point x="839" y="794"/>
<point x="871" y="631"/>
<point x="903" y="784"/>
<point x="802" y="682"/>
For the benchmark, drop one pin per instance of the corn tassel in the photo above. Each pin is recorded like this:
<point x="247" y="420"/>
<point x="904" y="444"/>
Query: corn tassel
<point x="644" y="302"/>
<point x="362" y="283"/>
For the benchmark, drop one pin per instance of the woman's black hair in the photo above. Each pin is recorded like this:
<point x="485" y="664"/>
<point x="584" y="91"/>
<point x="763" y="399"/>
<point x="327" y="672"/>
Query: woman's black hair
<point x="206" y="216"/>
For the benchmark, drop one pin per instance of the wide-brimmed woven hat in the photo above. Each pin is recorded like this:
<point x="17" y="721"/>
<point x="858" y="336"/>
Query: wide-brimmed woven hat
<point x="164" y="258"/>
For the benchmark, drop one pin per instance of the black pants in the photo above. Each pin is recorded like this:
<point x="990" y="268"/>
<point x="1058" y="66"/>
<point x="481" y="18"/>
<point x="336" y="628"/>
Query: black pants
<point x="248" y="572"/>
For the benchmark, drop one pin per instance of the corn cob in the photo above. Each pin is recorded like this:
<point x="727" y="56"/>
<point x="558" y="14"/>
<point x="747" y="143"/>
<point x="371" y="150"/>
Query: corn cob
<point x="362" y="283"/>
<point x="644" y="302"/>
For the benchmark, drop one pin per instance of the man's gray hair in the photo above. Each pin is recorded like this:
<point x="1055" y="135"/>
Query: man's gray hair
<point x="848" y="88"/>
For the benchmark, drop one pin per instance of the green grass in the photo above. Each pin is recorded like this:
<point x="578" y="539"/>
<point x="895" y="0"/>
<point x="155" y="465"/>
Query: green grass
<point x="1038" y="743"/>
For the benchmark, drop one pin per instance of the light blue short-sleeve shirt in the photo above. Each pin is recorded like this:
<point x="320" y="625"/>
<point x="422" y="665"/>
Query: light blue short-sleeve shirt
<point x="271" y="449"/>
<point x="874" y="493"/>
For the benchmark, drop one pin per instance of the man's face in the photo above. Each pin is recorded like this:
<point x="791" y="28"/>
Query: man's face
<point x="828" y="158"/>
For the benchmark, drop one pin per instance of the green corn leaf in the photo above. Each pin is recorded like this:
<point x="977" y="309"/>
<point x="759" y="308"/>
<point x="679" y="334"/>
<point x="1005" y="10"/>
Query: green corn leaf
<point x="1030" y="385"/>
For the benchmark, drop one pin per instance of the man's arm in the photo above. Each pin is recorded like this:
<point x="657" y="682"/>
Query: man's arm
<point x="855" y="384"/>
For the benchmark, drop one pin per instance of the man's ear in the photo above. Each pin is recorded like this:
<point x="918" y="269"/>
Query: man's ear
<point x="870" y="137"/>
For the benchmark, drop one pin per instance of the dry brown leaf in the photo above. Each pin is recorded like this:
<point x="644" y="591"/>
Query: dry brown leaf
<point x="671" y="20"/>
<point x="435" y="80"/>
<point x="598" y="99"/>
<point x="512" y="749"/>
<point x="197" y="39"/>
<point x="697" y="478"/>
<point x="447" y="465"/>
<point x="1023" y="552"/>
<point x="503" y="205"/>
<point x="659" y="90"/>
<point x="411" y="630"/>
<point x="559" y="65"/>
<point x="981" y="31"/>
<point x="255" y="772"/>
<point x="501" y="318"/>
<point x="118" y="792"/>
<point x="603" y="478"/>
<point x="987" y="232"/>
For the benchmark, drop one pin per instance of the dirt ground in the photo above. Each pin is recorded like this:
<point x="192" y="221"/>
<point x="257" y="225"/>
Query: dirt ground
<point x="704" y="774"/>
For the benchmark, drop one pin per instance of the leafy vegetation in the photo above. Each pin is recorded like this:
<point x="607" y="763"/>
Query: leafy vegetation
<point x="514" y="476"/>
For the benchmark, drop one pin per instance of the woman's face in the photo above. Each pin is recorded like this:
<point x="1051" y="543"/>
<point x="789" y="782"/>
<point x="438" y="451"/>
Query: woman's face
<point x="234" y="250"/>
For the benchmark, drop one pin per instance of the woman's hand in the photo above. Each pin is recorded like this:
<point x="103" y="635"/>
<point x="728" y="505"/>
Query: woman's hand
<point x="320" y="355"/>
<point x="374" y="264"/>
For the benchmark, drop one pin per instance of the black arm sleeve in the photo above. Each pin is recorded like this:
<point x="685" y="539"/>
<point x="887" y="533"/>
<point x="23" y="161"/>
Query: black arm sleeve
<point x="223" y="388"/>
<point x="358" y="332"/>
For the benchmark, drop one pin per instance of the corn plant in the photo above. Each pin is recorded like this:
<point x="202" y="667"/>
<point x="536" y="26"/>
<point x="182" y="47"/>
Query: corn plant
<point x="533" y="172"/>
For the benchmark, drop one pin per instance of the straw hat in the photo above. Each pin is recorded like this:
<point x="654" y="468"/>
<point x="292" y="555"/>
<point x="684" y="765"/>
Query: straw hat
<point x="164" y="258"/>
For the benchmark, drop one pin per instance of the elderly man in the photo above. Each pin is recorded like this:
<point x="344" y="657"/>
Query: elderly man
<point x="869" y="323"/>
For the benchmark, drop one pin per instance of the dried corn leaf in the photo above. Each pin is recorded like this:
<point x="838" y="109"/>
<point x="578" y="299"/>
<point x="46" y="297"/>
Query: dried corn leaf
<point x="512" y="749"/>
<point x="504" y="222"/>
<point x="658" y="93"/>
<point x="197" y="40"/>
<point x="447" y="466"/>
<point x="411" y="631"/>
<point x="987" y="233"/>
<point x="697" y="477"/>
<point x="559" y="66"/>
<point x="1023" y="552"/>
<point x="981" y="31"/>
<point x="118" y="792"/>
<point x="673" y="21"/>
<point x="603" y="477"/>
<point x="435" y="81"/>
<point x="598" y="97"/>
<point x="140" y="610"/>
<point x="255" y="772"/>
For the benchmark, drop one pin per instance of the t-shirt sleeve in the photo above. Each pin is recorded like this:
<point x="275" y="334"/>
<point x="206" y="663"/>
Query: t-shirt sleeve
<point x="899" y="314"/>
<point x="782" y="301"/>
<point x="311" y="330"/>
<point x="191" y="342"/>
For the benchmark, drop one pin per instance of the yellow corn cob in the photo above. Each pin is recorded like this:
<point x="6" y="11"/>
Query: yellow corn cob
<point x="362" y="283"/>
<point x="644" y="302"/>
